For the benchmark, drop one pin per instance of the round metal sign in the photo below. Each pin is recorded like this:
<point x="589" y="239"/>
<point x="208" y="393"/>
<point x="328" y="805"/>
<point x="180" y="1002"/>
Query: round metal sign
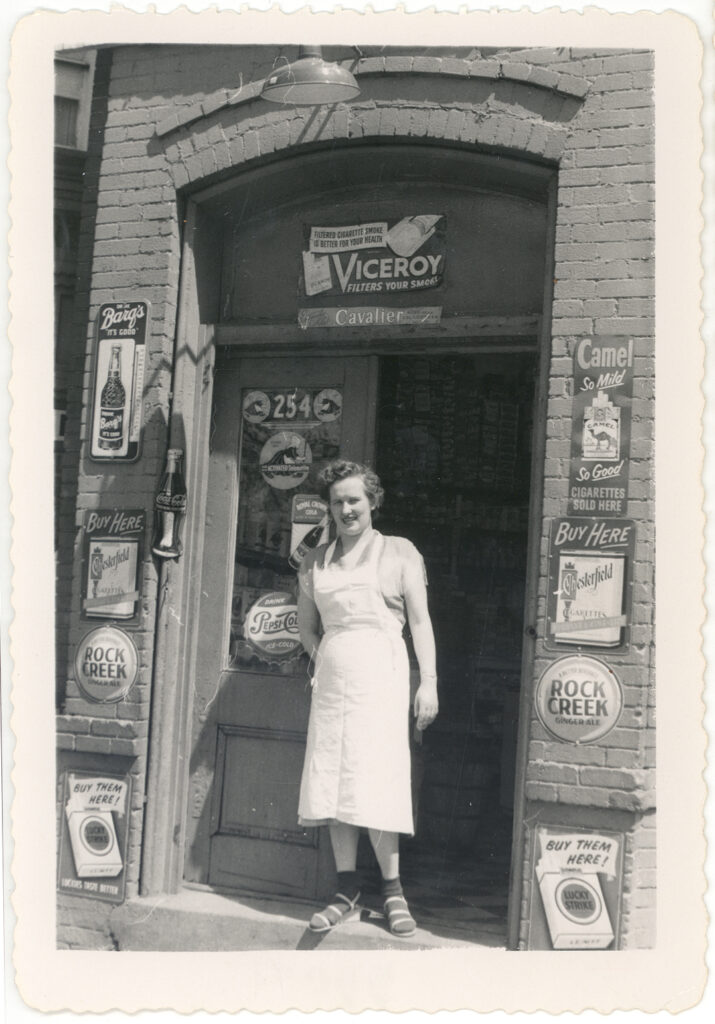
<point x="285" y="460"/>
<point x="256" y="406"/>
<point x="578" y="699"/>
<point x="271" y="627"/>
<point x="106" y="664"/>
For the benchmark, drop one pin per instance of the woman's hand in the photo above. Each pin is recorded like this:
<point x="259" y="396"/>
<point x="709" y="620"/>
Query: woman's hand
<point x="426" y="704"/>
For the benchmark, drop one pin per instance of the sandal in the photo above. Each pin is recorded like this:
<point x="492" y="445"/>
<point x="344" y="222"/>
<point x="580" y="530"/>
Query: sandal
<point x="399" y="919"/>
<point x="333" y="914"/>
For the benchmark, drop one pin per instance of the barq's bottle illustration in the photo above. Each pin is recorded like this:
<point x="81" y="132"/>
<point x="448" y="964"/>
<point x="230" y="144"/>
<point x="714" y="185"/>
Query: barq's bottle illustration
<point x="111" y="404"/>
<point x="310" y="541"/>
<point x="170" y="505"/>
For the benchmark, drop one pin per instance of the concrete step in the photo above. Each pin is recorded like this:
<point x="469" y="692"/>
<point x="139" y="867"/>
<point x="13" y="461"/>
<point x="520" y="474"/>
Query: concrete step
<point x="200" y="920"/>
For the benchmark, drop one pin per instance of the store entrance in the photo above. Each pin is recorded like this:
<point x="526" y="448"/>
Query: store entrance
<point x="450" y="437"/>
<point x="454" y="454"/>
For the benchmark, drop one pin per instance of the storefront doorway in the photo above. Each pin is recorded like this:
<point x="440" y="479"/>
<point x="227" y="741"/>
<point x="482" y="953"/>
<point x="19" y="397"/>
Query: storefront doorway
<point x="450" y="434"/>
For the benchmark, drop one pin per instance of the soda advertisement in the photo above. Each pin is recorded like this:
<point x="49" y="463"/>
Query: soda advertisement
<point x="106" y="664"/>
<point x="577" y="881"/>
<point x="112" y="559"/>
<point x="376" y="258"/>
<point x="93" y="835"/>
<point x="120" y="358"/>
<point x="600" y="441"/>
<point x="578" y="699"/>
<point x="309" y="526"/>
<point x="590" y="583"/>
<point x="271" y="628"/>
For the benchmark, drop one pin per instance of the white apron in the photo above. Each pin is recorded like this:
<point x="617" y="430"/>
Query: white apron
<point x="357" y="760"/>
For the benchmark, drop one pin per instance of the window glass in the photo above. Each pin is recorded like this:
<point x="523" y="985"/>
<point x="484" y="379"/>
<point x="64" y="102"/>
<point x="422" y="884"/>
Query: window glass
<point x="287" y="437"/>
<point x="66" y="111"/>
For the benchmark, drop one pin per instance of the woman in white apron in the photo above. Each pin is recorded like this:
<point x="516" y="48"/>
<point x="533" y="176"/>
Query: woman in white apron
<point x="354" y="597"/>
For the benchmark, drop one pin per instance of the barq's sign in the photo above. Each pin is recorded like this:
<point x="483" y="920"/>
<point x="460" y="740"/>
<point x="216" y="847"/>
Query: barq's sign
<point x="372" y="258"/>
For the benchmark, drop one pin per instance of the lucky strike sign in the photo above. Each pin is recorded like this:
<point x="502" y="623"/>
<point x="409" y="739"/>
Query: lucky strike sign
<point x="375" y="258"/>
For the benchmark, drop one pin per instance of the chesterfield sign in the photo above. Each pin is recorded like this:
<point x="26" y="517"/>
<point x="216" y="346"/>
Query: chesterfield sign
<point x="375" y="259"/>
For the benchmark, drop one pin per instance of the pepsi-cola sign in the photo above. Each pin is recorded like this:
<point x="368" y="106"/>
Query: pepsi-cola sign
<point x="271" y="627"/>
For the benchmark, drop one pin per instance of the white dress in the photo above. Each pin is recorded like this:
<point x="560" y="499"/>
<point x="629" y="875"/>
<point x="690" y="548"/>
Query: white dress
<point x="357" y="761"/>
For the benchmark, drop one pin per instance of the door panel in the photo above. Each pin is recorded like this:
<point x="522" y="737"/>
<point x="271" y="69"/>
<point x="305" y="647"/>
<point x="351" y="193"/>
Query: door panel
<point x="276" y="422"/>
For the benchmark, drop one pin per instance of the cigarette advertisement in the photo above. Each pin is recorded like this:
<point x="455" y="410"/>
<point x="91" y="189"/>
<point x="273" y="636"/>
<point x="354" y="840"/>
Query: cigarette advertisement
<point x="93" y="835"/>
<point x="116" y="423"/>
<point x="590" y="583"/>
<point x="112" y="549"/>
<point x="600" y="441"/>
<point x="576" y="889"/>
<point x="376" y="258"/>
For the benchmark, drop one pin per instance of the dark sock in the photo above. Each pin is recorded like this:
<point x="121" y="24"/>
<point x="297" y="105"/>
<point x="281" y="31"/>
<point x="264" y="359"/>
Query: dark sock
<point x="348" y="884"/>
<point x="399" y="919"/>
<point x="391" y="886"/>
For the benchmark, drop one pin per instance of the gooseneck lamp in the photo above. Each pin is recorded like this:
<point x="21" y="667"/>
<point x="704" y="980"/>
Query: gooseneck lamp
<point x="310" y="81"/>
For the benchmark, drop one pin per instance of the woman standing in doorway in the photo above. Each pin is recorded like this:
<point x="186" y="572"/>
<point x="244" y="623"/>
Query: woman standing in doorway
<point x="354" y="598"/>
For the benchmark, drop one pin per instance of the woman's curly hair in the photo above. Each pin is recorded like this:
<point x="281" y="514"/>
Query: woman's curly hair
<point x="341" y="469"/>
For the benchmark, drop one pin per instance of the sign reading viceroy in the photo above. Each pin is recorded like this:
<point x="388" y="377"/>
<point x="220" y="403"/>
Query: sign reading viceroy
<point x="375" y="258"/>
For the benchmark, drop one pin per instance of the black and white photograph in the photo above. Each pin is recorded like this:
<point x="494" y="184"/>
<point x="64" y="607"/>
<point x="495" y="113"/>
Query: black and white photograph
<point x="353" y="520"/>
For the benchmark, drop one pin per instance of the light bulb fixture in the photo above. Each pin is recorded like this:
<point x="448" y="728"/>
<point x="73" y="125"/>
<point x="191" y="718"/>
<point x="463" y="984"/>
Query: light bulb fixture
<point x="310" y="81"/>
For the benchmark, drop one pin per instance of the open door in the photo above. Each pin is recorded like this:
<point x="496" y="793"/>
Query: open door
<point x="276" y="422"/>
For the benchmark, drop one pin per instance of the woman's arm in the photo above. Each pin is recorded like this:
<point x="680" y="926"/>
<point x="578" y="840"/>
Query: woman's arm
<point x="426" y="702"/>
<point x="308" y="623"/>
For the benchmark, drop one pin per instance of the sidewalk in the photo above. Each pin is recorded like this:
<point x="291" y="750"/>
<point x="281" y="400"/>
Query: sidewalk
<point x="201" y="920"/>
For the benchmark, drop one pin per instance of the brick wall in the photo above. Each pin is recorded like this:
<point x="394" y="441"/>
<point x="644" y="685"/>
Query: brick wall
<point x="166" y="118"/>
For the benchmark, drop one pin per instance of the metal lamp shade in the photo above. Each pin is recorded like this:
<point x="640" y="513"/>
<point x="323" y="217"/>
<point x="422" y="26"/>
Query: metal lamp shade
<point x="310" y="80"/>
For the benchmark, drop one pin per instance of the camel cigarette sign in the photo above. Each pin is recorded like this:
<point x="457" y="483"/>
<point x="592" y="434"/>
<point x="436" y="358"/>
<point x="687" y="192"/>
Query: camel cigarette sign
<point x="375" y="258"/>
<point x="600" y="440"/>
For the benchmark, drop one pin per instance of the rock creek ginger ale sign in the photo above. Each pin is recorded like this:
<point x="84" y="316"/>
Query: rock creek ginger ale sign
<point x="578" y="699"/>
<point x="106" y="664"/>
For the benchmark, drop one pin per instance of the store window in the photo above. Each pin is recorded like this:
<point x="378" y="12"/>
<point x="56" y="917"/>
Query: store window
<point x="66" y="113"/>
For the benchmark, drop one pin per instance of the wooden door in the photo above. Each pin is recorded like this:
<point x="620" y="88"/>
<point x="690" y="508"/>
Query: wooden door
<point x="276" y="422"/>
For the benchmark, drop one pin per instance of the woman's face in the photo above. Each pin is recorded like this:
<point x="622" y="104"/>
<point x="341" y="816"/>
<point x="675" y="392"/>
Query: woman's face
<point x="350" y="506"/>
